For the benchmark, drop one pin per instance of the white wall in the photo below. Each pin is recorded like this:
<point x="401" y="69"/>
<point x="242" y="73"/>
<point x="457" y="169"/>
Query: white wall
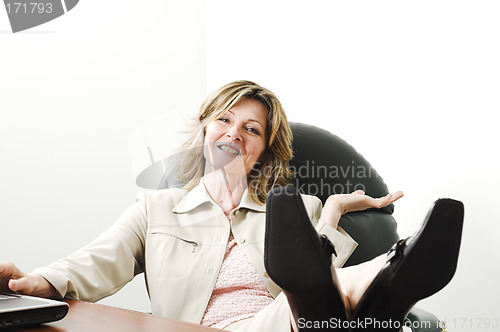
<point x="413" y="86"/>
<point x="71" y="92"/>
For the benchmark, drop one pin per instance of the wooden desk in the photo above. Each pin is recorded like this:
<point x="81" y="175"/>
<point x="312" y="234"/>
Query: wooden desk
<point x="92" y="317"/>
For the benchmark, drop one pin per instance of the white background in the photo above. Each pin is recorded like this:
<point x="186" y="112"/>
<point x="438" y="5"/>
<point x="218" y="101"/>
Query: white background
<point x="71" y="93"/>
<point x="413" y="86"/>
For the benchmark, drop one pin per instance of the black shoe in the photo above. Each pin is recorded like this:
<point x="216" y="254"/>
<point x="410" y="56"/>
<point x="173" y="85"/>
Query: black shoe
<point x="299" y="261"/>
<point x="416" y="268"/>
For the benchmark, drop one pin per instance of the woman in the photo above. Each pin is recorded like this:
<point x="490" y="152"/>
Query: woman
<point x="202" y="247"/>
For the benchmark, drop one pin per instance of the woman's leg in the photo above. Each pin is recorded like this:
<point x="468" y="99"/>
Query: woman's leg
<point x="354" y="280"/>
<point x="299" y="261"/>
<point x="384" y="288"/>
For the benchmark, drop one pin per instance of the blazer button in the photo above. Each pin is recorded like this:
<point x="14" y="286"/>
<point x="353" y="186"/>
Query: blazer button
<point x="243" y="241"/>
<point x="236" y="213"/>
<point x="266" y="275"/>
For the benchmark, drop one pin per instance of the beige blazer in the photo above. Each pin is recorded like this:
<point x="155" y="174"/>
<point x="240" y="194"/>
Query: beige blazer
<point x="178" y="239"/>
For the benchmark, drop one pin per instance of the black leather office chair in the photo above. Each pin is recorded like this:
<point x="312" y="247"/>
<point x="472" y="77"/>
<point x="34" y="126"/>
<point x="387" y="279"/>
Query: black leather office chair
<point x="324" y="164"/>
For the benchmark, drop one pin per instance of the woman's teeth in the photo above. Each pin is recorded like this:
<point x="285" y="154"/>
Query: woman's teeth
<point x="229" y="149"/>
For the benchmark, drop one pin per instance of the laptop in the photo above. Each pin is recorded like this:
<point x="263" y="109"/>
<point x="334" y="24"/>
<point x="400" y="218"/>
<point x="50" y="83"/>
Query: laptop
<point x="17" y="310"/>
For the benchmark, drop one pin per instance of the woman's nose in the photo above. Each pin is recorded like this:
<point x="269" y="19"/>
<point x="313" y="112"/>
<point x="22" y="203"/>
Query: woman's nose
<point x="234" y="133"/>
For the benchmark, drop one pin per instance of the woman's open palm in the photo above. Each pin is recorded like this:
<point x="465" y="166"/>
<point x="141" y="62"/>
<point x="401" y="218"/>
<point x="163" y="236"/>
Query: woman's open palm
<point x="358" y="201"/>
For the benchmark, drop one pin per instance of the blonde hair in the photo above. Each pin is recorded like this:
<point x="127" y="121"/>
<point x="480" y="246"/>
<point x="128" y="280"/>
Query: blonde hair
<point x="272" y="168"/>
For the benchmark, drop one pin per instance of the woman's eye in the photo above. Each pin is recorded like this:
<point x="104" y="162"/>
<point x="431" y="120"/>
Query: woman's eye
<point x="223" y="120"/>
<point x="253" y="130"/>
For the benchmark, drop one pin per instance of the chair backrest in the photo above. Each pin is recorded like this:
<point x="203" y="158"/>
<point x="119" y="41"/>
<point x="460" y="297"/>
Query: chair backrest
<point x="324" y="164"/>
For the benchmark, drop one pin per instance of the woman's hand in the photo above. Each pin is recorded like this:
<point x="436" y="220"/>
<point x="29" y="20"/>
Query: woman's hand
<point x="14" y="280"/>
<point x="337" y="205"/>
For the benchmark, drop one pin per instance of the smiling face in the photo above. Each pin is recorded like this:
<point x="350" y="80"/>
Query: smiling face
<point x="238" y="137"/>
